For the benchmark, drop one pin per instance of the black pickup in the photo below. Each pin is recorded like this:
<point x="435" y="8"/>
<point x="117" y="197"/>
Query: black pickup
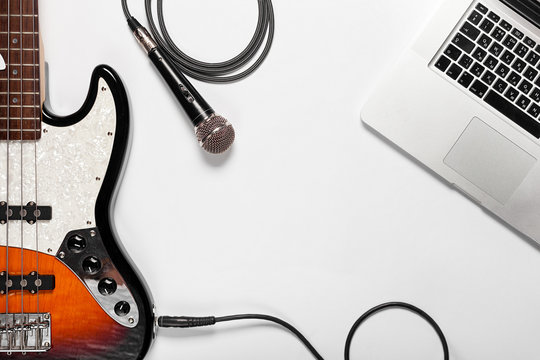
<point x="30" y="212"/>
<point x="31" y="282"/>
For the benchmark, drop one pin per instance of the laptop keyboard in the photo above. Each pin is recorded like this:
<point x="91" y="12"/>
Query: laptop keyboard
<point x="498" y="63"/>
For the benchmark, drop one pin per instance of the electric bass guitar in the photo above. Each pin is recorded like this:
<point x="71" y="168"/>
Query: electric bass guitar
<point x="67" y="290"/>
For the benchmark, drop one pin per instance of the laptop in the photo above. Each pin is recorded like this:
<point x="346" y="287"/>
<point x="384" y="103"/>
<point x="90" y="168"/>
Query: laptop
<point x="464" y="99"/>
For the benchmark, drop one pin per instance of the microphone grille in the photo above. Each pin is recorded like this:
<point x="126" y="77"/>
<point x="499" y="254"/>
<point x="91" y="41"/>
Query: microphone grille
<point x="215" y="134"/>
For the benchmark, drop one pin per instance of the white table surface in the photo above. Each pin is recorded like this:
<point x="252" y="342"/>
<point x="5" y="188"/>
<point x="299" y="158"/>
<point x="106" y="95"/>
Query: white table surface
<point x="311" y="217"/>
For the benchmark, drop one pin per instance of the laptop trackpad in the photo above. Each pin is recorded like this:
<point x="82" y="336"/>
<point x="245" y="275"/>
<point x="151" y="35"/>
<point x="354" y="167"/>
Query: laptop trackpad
<point x="489" y="160"/>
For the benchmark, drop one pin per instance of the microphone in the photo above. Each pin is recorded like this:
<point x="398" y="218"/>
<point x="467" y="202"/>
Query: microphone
<point x="214" y="133"/>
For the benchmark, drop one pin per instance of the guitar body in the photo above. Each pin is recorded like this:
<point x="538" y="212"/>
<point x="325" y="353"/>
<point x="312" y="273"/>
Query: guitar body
<point x="81" y="297"/>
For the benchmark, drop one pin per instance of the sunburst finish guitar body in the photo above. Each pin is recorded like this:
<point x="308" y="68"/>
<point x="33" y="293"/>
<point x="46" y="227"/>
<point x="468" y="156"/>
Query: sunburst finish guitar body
<point x="67" y="290"/>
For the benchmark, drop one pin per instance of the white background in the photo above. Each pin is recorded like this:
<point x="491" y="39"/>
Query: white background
<point x="311" y="217"/>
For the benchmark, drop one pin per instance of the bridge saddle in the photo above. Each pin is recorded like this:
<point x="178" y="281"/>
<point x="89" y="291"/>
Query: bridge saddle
<point x="25" y="333"/>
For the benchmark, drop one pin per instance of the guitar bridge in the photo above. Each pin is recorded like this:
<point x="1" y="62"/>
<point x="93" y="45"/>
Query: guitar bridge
<point x="25" y="333"/>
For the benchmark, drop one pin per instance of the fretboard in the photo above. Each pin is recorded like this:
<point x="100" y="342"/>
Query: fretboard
<point x="20" y="93"/>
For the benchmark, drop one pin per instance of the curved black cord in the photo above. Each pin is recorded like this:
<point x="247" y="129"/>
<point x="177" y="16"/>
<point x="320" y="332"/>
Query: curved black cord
<point x="189" y="322"/>
<point x="275" y="320"/>
<point x="401" y="305"/>
<point x="214" y="72"/>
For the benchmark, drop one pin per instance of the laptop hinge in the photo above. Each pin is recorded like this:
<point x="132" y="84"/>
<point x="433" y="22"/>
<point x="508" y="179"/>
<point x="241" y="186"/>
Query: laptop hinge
<point x="529" y="9"/>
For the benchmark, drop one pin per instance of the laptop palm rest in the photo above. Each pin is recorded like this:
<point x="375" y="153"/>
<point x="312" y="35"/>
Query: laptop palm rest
<point x="489" y="160"/>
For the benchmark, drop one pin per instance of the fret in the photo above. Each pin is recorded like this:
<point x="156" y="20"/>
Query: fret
<point x="19" y="15"/>
<point x="19" y="32"/>
<point x="24" y="93"/>
<point x="19" y="49"/>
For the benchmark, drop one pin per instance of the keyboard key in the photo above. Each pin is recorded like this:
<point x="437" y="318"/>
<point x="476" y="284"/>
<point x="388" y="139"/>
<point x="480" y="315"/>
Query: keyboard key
<point x="489" y="77"/>
<point x="513" y="113"/>
<point x="484" y="41"/>
<point x="477" y="69"/>
<point x="537" y="49"/>
<point x="475" y="17"/>
<point x="519" y="65"/>
<point x="532" y="58"/>
<point x="535" y="95"/>
<point x="534" y="111"/>
<point x="494" y="17"/>
<point x="452" y="52"/>
<point x="525" y="87"/>
<point x="482" y="8"/>
<point x="479" y="54"/>
<point x="517" y="34"/>
<point x="529" y="42"/>
<point x="454" y="71"/>
<point x="505" y="25"/>
<point x="510" y="42"/>
<point x="537" y="82"/>
<point x="491" y="62"/>
<point x="511" y="94"/>
<point x="502" y="71"/>
<point x="530" y="73"/>
<point x="487" y="25"/>
<point x="500" y="86"/>
<point x="463" y="43"/>
<point x="498" y="34"/>
<point x="523" y="102"/>
<point x="514" y="78"/>
<point x="466" y="79"/>
<point x="508" y="57"/>
<point x="496" y="49"/>
<point x="479" y="88"/>
<point x="471" y="31"/>
<point x="465" y="61"/>
<point x="521" y="50"/>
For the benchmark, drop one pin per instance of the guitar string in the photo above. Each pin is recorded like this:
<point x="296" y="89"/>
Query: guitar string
<point x="8" y="140"/>
<point x="20" y="43"/>
<point x="35" y="119"/>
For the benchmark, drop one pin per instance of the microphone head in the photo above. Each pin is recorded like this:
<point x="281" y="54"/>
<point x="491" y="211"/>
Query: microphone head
<point x="215" y="134"/>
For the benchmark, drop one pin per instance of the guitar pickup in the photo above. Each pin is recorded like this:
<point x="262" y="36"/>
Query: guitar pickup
<point x="29" y="213"/>
<point x="31" y="282"/>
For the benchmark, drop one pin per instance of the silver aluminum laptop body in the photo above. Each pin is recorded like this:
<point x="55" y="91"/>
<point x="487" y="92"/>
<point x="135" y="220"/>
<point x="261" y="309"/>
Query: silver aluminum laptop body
<point x="462" y="129"/>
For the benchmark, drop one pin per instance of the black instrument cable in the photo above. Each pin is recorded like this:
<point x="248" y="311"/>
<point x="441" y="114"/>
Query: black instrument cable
<point x="191" y="322"/>
<point x="221" y="72"/>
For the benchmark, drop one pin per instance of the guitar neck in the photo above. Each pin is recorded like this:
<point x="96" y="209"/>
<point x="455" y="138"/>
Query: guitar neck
<point x="20" y="85"/>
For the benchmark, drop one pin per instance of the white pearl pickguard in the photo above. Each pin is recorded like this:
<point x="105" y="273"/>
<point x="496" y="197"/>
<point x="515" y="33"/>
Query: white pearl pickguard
<point x="71" y="163"/>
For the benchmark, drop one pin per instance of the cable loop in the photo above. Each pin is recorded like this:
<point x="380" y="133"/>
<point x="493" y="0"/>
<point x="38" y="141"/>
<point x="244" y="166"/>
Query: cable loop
<point x="218" y="72"/>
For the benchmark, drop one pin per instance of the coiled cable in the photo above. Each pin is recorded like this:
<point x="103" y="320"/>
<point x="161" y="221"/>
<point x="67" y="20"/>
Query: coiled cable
<point x="219" y="72"/>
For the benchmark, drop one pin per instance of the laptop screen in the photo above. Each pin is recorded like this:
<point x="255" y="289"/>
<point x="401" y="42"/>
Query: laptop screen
<point x="529" y="9"/>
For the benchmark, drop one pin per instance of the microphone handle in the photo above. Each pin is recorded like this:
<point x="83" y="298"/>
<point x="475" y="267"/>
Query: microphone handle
<point x="193" y="103"/>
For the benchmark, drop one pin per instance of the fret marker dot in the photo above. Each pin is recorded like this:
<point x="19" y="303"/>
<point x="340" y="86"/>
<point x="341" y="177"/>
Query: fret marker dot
<point x="15" y="100"/>
<point x="15" y="40"/>
<point x="15" y="72"/>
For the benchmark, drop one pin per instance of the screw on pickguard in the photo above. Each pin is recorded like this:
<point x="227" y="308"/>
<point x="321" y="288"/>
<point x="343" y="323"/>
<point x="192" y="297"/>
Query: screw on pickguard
<point x="31" y="282"/>
<point x="30" y="212"/>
